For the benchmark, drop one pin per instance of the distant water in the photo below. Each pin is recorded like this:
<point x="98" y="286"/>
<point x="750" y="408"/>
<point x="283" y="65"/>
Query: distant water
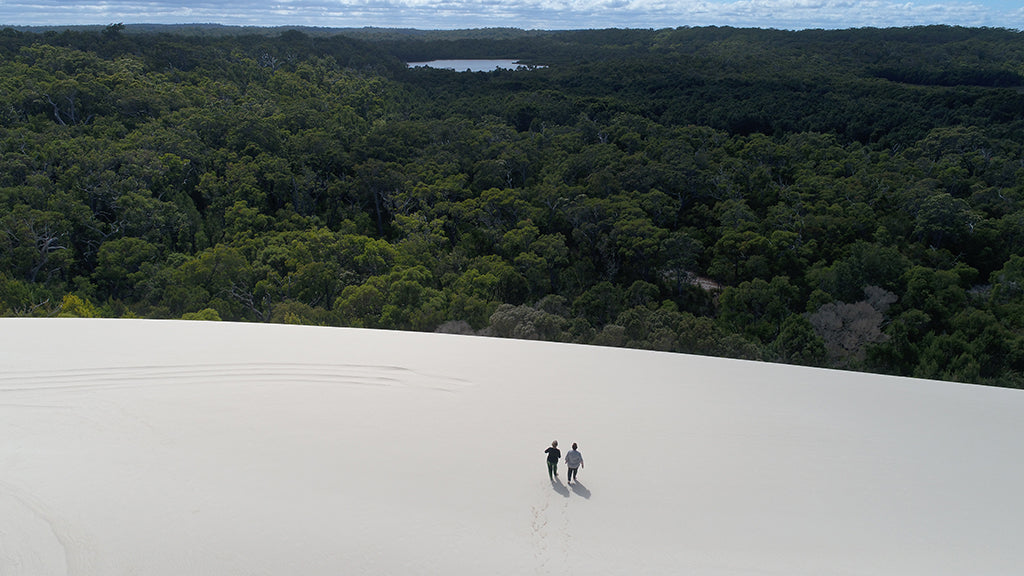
<point x="468" y="65"/>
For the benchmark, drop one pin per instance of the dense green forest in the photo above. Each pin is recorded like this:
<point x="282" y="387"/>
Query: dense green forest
<point x="847" y="198"/>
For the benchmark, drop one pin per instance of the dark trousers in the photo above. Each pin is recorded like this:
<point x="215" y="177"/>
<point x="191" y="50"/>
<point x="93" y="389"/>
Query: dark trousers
<point x="572" y="473"/>
<point x="552" y="469"/>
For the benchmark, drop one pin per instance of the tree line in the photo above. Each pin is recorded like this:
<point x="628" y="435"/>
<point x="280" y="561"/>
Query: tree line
<point x="846" y="199"/>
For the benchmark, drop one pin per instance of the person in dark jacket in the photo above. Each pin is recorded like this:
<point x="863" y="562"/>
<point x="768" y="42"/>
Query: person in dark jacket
<point x="554" y="454"/>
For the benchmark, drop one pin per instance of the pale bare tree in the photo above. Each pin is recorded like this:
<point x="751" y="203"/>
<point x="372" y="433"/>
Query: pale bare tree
<point x="848" y="329"/>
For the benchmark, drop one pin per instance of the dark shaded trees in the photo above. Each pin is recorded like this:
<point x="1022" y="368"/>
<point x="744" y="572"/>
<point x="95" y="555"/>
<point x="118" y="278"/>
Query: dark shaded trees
<point x="759" y="194"/>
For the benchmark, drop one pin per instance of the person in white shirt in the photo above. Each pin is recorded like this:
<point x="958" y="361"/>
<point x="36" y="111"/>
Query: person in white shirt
<point x="574" y="461"/>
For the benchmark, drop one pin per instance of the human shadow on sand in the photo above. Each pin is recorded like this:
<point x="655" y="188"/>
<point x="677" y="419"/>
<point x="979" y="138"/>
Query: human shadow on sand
<point x="557" y="486"/>
<point x="580" y="489"/>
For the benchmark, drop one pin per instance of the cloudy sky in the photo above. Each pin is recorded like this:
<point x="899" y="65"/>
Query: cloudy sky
<point x="529" y="14"/>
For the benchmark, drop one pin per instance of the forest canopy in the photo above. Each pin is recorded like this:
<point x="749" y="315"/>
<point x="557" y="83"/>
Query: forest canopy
<point x="850" y="198"/>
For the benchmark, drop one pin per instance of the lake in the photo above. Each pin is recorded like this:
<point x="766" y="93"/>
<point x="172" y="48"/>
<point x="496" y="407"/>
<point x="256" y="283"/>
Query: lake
<point x="477" y="65"/>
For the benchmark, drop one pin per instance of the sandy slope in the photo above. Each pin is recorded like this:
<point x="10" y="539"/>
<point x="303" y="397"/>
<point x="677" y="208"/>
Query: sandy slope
<point x="171" y="448"/>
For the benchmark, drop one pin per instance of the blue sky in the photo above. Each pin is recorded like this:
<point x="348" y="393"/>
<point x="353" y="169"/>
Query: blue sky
<point x="529" y="14"/>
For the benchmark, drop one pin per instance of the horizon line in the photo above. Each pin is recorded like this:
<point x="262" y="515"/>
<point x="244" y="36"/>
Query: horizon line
<point x="49" y="27"/>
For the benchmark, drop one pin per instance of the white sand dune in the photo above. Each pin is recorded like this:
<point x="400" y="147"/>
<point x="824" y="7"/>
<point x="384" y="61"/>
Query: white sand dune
<point x="181" y="448"/>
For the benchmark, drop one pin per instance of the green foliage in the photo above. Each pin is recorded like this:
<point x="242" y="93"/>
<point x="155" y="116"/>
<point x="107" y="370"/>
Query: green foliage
<point x="832" y="198"/>
<point x="206" y="314"/>
<point x="758" y="308"/>
<point x="71" y="306"/>
<point x="798" y="343"/>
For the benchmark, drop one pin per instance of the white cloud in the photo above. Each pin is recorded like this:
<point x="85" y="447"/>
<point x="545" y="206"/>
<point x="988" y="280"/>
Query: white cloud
<point x="551" y="14"/>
